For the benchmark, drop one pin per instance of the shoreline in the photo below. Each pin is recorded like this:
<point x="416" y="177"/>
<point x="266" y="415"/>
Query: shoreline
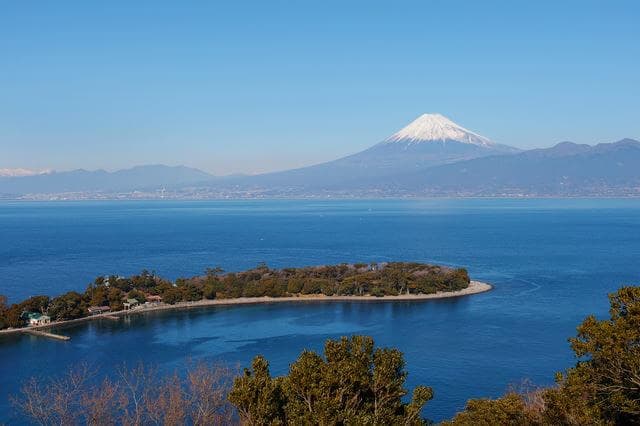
<point x="475" y="287"/>
<point x="316" y="198"/>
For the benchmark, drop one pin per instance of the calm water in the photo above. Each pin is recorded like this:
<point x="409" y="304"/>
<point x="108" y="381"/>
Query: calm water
<point x="552" y="262"/>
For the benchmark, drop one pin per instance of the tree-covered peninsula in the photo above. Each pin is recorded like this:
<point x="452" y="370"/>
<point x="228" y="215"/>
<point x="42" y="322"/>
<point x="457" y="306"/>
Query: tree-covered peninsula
<point x="351" y="383"/>
<point x="115" y="293"/>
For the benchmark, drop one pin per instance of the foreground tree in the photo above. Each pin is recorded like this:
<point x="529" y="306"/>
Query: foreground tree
<point x="257" y="396"/>
<point x="353" y="384"/>
<point x="602" y="389"/>
<point x="610" y="358"/>
<point x="508" y="410"/>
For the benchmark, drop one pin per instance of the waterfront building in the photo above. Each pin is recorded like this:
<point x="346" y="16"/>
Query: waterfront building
<point x="95" y="310"/>
<point x="36" y="318"/>
<point x="130" y="304"/>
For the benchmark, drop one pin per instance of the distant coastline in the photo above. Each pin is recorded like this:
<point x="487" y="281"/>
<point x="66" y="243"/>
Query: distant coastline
<point x="191" y="197"/>
<point x="475" y="287"/>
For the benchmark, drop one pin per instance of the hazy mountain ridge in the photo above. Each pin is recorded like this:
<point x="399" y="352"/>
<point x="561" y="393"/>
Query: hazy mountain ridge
<point x="432" y="156"/>
<point x="135" y="178"/>
<point x="564" y="169"/>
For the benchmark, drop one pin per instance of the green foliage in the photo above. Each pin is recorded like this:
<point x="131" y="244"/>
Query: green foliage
<point x="66" y="307"/>
<point x="35" y="304"/>
<point x="172" y="295"/>
<point x="572" y="402"/>
<point x="138" y="295"/>
<point x="602" y="389"/>
<point x="125" y="285"/>
<point x="115" y="298"/>
<point x="377" y="292"/>
<point x="359" y="279"/>
<point x="209" y="291"/>
<point x="294" y="285"/>
<point x="312" y="286"/>
<point x="144" y="281"/>
<point x="97" y="295"/>
<point x="188" y="290"/>
<point x="610" y="357"/>
<point x="353" y="384"/>
<point x="257" y="396"/>
<point x="508" y="410"/>
<point x="12" y="317"/>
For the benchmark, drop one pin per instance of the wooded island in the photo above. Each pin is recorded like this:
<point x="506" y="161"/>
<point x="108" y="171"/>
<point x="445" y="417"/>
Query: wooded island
<point x="115" y="293"/>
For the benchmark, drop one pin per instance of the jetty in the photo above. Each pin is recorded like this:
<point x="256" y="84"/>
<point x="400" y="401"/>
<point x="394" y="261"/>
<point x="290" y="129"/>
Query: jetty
<point x="46" y="334"/>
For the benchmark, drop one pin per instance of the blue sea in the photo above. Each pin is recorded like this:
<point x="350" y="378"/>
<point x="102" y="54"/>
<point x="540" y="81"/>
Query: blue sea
<point x="552" y="262"/>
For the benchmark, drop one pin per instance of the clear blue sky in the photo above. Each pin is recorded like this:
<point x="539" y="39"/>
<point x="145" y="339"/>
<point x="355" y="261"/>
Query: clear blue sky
<point x="243" y="86"/>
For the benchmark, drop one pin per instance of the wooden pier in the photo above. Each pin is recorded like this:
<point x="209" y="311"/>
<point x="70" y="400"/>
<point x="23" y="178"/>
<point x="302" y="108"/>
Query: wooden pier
<point x="46" y="334"/>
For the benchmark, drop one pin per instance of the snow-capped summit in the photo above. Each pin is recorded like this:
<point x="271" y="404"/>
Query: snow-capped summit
<point x="437" y="128"/>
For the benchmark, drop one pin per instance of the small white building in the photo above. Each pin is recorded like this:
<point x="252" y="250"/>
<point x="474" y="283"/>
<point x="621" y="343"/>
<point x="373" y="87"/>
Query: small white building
<point x="130" y="304"/>
<point x="36" y="318"/>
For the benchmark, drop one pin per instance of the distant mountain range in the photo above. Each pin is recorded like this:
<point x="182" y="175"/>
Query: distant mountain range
<point x="432" y="156"/>
<point x="141" y="178"/>
<point x="567" y="169"/>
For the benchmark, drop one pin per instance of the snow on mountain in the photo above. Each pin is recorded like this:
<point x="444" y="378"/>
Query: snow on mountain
<point x="436" y="128"/>
<point x="22" y="172"/>
<point x="404" y="152"/>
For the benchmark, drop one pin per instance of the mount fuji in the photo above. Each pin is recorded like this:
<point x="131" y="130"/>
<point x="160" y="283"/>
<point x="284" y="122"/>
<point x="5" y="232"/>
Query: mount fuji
<point x="429" y="140"/>
<point x="436" y="128"/>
